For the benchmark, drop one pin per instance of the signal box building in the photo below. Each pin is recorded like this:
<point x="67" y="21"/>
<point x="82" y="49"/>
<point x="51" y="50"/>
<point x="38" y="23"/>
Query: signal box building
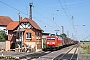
<point x="25" y="33"/>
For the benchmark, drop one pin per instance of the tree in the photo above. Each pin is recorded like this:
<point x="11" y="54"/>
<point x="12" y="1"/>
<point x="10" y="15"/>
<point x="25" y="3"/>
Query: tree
<point x="63" y="35"/>
<point x="3" y="35"/>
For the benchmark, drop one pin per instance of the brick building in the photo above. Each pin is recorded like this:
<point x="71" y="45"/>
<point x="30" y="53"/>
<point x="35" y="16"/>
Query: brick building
<point x="25" y="33"/>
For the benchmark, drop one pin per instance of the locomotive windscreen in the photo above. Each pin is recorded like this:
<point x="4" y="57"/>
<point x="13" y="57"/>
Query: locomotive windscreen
<point x="50" y="38"/>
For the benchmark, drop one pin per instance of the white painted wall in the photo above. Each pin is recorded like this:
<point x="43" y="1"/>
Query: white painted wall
<point x="25" y="26"/>
<point x="32" y="45"/>
<point x="4" y="29"/>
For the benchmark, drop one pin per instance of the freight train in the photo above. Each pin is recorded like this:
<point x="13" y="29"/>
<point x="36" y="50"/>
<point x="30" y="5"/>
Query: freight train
<point x="56" y="42"/>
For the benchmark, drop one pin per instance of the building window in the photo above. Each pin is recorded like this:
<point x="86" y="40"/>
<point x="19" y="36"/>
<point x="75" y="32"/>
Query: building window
<point x="14" y="34"/>
<point x="37" y="35"/>
<point x="10" y="34"/>
<point x="28" y="35"/>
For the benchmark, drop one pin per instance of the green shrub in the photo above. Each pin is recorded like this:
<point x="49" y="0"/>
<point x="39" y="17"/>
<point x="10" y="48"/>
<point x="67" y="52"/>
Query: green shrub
<point x="85" y="48"/>
<point x="44" y="45"/>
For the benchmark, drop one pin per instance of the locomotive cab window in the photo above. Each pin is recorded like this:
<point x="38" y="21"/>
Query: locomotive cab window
<point x="50" y="38"/>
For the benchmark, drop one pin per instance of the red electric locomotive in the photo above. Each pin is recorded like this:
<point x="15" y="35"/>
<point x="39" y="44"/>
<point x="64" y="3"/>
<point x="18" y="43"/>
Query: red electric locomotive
<point x="53" y="42"/>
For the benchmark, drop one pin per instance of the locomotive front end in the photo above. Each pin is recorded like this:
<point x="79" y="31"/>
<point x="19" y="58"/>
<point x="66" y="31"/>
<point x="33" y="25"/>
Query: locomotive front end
<point x="50" y="42"/>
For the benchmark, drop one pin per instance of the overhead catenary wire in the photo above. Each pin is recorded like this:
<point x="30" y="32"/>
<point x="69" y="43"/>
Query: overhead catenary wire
<point x="77" y="14"/>
<point x="43" y="10"/>
<point x="23" y="5"/>
<point x="86" y="37"/>
<point x="77" y="7"/>
<point x="37" y="12"/>
<point x="13" y="8"/>
<point x="66" y="14"/>
<point x="48" y="18"/>
<point x="64" y="11"/>
<point x="36" y="19"/>
<point x="41" y="14"/>
<point x="47" y="11"/>
<point x="67" y="7"/>
<point x="74" y="7"/>
<point x="53" y="19"/>
<point x="44" y="23"/>
<point x="70" y="15"/>
<point x="25" y="13"/>
<point x="67" y="17"/>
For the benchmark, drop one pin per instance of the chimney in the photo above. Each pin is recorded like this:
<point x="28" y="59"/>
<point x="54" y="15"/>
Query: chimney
<point x="30" y="10"/>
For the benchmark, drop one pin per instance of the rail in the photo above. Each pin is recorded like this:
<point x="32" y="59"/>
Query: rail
<point x="74" y="53"/>
<point x="67" y="53"/>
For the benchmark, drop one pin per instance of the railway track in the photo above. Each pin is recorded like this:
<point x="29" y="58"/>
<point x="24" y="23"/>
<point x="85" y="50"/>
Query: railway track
<point x="55" y="55"/>
<point x="69" y="55"/>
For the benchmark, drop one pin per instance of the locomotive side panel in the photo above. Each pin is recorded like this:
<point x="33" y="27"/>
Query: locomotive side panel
<point x="60" y="42"/>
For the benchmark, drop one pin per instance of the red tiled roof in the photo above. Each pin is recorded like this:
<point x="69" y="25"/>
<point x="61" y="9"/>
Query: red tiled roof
<point x="5" y="20"/>
<point x="32" y="22"/>
<point x="12" y="25"/>
<point x="25" y="20"/>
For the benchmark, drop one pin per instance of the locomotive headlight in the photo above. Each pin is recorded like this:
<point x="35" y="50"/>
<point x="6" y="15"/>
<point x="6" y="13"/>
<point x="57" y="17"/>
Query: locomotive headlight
<point x="47" y="42"/>
<point x="53" y="42"/>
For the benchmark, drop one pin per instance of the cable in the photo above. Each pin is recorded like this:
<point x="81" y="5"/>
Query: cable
<point x="40" y="14"/>
<point x="86" y="37"/>
<point x="44" y="23"/>
<point x="66" y="7"/>
<point x="64" y="11"/>
<point x="71" y="18"/>
<point x="67" y="16"/>
<point x="24" y="13"/>
<point x="23" y="5"/>
<point x="13" y="8"/>
<point x="42" y="10"/>
<point x="47" y="18"/>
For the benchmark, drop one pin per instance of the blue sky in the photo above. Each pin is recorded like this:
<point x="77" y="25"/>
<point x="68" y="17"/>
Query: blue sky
<point x="45" y="10"/>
